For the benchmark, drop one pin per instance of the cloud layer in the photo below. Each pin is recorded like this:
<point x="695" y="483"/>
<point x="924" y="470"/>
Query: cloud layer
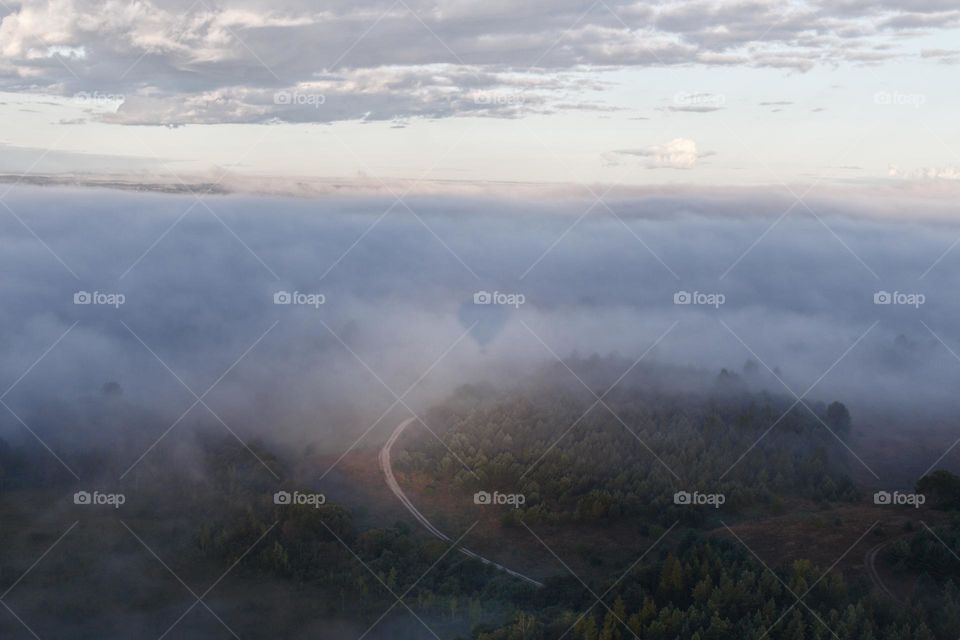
<point x="799" y="297"/>
<point x="183" y="62"/>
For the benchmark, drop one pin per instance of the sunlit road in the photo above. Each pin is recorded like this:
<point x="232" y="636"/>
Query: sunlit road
<point x="387" y="469"/>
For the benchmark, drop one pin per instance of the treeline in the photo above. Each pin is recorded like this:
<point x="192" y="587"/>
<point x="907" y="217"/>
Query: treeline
<point x="713" y="590"/>
<point x="932" y="550"/>
<point x="323" y="546"/>
<point x="618" y="458"/>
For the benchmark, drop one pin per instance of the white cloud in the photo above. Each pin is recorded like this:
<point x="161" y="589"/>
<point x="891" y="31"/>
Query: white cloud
<point x="941" y="173"/>
<point x="925" y="173"/>
<point x="679" y="153"/>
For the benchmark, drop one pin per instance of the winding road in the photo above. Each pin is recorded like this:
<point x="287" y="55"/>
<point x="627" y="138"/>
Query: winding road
<point x="385" y="466"/>
<point x="870" y="560"/>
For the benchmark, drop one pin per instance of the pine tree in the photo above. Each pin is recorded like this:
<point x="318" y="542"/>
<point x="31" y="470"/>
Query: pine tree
<point x="671" y="579"/>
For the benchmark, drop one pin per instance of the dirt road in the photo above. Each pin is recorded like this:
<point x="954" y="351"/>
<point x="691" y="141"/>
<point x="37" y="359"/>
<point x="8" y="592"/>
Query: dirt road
<point x="870" y="561"/>
<point x="385" y="466"/>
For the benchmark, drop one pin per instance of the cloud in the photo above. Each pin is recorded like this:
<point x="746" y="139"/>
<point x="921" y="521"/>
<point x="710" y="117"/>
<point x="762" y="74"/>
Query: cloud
<point x="201" y="297"/>
<point x="941" y="173"/>
<point x="180" y="62"/>
<point x="944" y="56"/>
<point x="695" y="108"/>
<point x="697" y="102"/>
<point x="679" y="153"/>
<point x="386" y="93"/>
<point x="948" y="173"/>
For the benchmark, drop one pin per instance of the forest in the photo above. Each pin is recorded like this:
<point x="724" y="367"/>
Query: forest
<point x="575" y="459"/>
<point x="579" y="463"/>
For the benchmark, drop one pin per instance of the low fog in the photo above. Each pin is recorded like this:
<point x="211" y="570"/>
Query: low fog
<point x="199" y="280"/>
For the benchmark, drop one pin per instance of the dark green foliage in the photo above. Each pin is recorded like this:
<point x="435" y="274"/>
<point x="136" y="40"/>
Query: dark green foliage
<point x="941" y="488"/>
<point x="717" y="590"/>
<point x="838" y="417"/>
<point x="932" y="551"/>
<point x="693" y="586"/>
<point x="324" y="547"/>
<point x="577" y="460"/>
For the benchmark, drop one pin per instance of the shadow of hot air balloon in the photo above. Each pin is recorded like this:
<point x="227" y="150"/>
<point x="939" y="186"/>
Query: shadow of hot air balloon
<point x="486" y="320"/>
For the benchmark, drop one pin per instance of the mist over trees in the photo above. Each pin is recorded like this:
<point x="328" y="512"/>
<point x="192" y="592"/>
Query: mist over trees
<point x="600" y="398"/>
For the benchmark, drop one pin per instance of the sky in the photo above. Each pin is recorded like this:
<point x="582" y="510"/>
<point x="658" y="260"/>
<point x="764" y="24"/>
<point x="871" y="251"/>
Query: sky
<point x="542" y="91"/>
